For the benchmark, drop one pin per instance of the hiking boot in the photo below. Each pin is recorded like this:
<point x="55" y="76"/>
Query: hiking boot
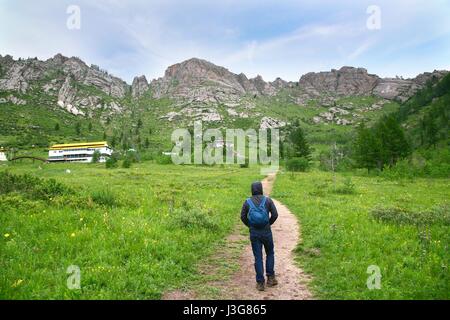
<point x="260" y="286"/>
<point x="271" y="281"/>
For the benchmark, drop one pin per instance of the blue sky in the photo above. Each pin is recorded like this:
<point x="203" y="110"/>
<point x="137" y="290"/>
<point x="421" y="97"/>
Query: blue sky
<point x="272" y="38"/>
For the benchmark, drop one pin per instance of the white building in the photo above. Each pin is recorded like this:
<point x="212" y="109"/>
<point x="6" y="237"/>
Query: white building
<point x="79" y="152"/>
<point x="3" y="155"/>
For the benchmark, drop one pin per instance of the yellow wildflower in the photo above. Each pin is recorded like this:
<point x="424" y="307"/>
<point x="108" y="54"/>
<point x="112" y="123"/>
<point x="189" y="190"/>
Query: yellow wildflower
<point x="17" y="283"/>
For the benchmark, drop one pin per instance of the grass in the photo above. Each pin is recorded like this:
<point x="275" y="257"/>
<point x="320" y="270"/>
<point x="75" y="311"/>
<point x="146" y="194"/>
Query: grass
<point x="402" y="227"/>
<point x="134" y="233"/>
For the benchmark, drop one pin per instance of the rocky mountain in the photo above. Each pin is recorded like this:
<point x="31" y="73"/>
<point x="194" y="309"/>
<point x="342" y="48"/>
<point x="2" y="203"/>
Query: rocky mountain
<point x="66" y="80"/>
<point x="197" y="80"/>
<point x="349" y="81"/>
<point x="344" y="82"/>
<point x="139" y="87"/>
<point x="197" y="87"/>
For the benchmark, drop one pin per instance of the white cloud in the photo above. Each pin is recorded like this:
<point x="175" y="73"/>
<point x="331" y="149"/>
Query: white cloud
<point x="271" y="38"/>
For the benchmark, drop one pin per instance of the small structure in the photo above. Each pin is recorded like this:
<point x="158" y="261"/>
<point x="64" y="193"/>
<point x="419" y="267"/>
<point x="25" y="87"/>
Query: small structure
<point x="79" y="152"/>
<point x="3" y="155"/>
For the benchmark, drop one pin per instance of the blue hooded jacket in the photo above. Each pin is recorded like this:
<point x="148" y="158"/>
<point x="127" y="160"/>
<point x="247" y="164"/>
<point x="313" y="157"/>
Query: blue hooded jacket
<point x="257" y="196"/>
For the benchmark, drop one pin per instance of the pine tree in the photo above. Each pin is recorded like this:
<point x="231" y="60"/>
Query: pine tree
<point x="396" y="145"/>
<point x="431" y="130"/>
<point x="365" y="148"/>
<point x="299" y="145"/>
<point x="382" y="145"/>
<point x="78" y="128"/>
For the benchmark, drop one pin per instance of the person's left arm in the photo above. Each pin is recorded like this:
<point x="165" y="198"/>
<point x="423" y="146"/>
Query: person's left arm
<point x="273" y="212"/>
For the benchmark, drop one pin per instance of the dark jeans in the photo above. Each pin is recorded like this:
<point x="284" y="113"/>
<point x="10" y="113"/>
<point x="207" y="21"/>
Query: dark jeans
<point x="260" y="238"/>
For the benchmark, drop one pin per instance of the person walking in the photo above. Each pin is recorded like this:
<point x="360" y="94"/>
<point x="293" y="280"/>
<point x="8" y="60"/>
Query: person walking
<point x="259" y="214"/>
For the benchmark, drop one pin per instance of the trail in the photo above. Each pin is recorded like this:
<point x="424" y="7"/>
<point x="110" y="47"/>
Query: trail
<point x="240" y="285"/>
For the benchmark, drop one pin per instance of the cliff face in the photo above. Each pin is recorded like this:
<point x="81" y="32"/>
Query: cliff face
<point x="80" y="89"/>
<point x="18" y="74"/>
<point x="201" y="81"/>
<point x="62" y="78"/>
<point x="401" y="89"/>
<point x="349" y="81"/>
<point x="139" y="87"/>
<point x="198" y="80"/>
<point x="344" y="82"/>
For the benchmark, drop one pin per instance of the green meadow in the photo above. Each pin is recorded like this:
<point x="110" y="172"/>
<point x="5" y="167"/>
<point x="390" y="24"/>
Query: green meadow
<point x="352" y="222"/>
<point x="137" y="233"/>
<point x="133" y="233"/>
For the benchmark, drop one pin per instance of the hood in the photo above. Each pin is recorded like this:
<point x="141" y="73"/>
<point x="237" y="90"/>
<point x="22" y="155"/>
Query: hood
<point x="257" y="189"/>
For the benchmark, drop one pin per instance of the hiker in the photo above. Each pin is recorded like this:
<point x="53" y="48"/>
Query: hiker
<point x="255" y="215"/>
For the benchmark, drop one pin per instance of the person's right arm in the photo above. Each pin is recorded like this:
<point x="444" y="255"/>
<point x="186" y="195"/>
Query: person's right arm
<point x="244" y="213"/>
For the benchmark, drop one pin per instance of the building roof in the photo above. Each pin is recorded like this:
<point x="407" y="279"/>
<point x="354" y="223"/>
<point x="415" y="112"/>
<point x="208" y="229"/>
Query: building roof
<point x="79" y="145"/>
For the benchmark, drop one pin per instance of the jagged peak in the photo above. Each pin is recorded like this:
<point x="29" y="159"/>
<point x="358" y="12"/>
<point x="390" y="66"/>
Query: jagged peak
<point x="257" y="78"/>
<point x="58" y="58"/>
<point x="195" y="61"/>
<point x="140" y="78"/>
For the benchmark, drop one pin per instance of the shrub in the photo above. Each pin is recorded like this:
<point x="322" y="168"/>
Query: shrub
<point x="31" y="187"/>
<point x="162" y="159"/>
<point x="96" y="156"/>
<point x="19" y="203"/>
<point x="297" y="164"/>
<point x="126" y="163"/>
<point x="320" y="189"/>
<point x="426" y="163"/>
<point x="104" y="198"/>
<point x="437" y="215"/>
<point x="111" y="163"/>
<point x="132" y="156"/>
<point x="401" y="170"/>
<point x="193" y="218"/>
<point x="348" y="187"/>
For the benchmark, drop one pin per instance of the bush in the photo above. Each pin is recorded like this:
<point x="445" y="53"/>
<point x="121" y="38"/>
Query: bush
<point x="126" y="163"/>
<point x="96" y="156"/>
<point x="193" y="218"/>
<point x="401" y="216"/>
<point x="104" y="198"/>
<point x="31" y="187"/>
<point x="427" y="163"/>
<point x="348" y="187"/>
<point x="297" y="164"/>
<point x="320" y="189"/>
<point x="162" y="159"/>
<point x="111" y="163"/>
<point x="132" y="156"/>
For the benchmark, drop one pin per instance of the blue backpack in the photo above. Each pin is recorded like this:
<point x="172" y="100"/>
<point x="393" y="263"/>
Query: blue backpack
<point x="258" y="217"/>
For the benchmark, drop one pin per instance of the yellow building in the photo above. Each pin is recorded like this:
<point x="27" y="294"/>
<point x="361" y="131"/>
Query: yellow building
<point x="79" y="152"/>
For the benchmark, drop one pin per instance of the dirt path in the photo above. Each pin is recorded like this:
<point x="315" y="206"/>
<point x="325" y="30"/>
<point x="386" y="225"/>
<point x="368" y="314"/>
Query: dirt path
<point x="240" y="284"/>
